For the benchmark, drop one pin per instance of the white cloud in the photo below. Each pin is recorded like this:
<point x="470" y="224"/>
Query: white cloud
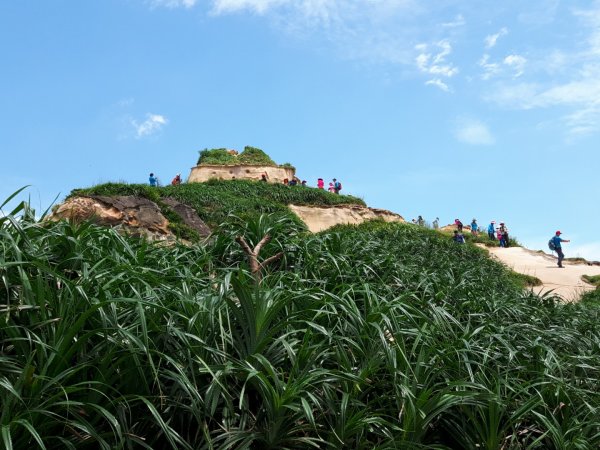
<point x="473" y="132"/>
<point x="435" y="63"/>
<point x="172" y="3"/>
<point x="438" y="83"/>
<point x="257" y="6"/>
<point x="153" y="124"/>
<point x="517" y="62"/>
<point x="458" y="21"/>
<point x="492" y="39"/>
<point x="489" y="69"/>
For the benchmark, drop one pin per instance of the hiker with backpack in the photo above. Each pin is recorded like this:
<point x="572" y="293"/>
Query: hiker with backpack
<point x="459" y="225"/>
<point x="555" y="245"/>
<point x="153" y="180"/>
<point x="177" y="180"/>
<point x="337" y="186"/>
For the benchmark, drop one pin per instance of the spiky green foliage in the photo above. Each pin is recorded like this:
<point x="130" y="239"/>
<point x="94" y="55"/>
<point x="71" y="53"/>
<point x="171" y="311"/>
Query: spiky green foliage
<point x="216" y="199"/>
<point x="381" y="336"/>
<point x="219" y="156"/>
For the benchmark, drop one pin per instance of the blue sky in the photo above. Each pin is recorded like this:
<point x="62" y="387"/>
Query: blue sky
<point x="441" y="108"/>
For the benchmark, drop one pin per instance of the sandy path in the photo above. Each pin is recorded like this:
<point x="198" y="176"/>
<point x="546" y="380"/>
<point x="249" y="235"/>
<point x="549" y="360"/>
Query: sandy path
<point x="565" y="282"/>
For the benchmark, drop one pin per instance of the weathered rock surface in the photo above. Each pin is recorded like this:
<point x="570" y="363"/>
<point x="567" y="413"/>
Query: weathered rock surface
<point x="136" y="215"/>
<point x="324" y="217"/>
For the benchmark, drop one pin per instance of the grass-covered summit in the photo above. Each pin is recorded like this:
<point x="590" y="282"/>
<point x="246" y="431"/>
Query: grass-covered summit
<point x="214" y="200"/>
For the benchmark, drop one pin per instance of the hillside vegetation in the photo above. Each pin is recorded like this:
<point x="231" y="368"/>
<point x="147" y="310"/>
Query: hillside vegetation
<point x="378" y="336"/>
<point x="214" y="200"/>
<point x="222" y="156"/>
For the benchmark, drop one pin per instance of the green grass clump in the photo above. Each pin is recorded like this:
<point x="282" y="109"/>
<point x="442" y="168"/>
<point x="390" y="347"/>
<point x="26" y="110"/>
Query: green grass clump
<point x="221" y="156"/>
<point x="592" y="279"/>
<point x="215" y="200"/>
<point x="378" y="336"/>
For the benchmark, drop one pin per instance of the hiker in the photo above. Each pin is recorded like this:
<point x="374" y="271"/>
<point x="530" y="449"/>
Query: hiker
<point x="458" y="237"/>
<point x="176" y="180"/>
<point x="436" y="223"/>
<point x="331" y="188"/>
<point x="504" y="232"/>
<point x="459" y="225"/>
<point x="320" y="183"/>
<point x="153" y="180"/>
<point x="293" y="182"/>
<point x="286" y="181"/>
<point x="303" y="183"/>
<point x="474" y="227"/>
<point x="491" y="228"/>
<point x="264" y="177"/>
<point x="556" y="240"/>
<point x="499" y="236"/>
<point x="337" y="186"/>
<point x="420" y="221"/>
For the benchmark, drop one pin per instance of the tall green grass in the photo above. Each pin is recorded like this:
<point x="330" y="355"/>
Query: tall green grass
<point x="377" y="336"/>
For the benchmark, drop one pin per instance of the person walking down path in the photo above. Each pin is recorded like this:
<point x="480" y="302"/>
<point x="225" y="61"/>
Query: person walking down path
<point x="458" y="237"/>
<point x="459" y="225"/>
<point x="320" y="183"/>
<point x="153" y="180"/>
<point x="436" y="223"/>
<point x="177" y="180"/>
<point x="499" y="237"/>
<point x="474" y="227"/>
<point x="492" y="230"/>
<point x="556" y="240"/>
<point x="337" y="186"/>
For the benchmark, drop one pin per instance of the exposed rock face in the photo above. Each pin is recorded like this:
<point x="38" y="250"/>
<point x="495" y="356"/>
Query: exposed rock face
<point x="137" y="215"/>
<point x="320" y="218"/>
<point x="205" y="172"/>
<point x="188" y="215"/>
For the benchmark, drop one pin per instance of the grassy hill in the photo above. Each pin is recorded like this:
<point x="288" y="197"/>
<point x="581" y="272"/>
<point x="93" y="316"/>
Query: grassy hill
<point x="378" y="336"/>
<point x="215" y="200"/>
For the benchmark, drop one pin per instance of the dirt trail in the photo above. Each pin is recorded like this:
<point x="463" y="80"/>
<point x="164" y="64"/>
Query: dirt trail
<point x="565" y="282"/>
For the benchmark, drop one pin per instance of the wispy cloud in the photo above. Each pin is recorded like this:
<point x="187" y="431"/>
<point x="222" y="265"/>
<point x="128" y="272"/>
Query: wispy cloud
<point x="516" y="62"/>
<point x="152" y="125"/>
<point x="492" y="39"/>
<point x="473" y="132"/>
<point x="458" y="21"/>
<point x="439" y="84"/>
<point x="434" y="62"/>
<point x="172" y="3"/>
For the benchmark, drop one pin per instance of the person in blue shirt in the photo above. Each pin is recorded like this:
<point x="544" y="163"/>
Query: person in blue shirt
<point x="492" y="230"/>
<point x="153" y="180"/>
<point x="458" y="237"/>
<point x="558" y="248"/>
<point x="474" y="227"/>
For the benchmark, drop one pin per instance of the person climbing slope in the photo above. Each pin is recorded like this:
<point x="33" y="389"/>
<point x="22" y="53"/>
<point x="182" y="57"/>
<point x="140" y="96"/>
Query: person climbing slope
<point x="153" y="180"/>
<point x="491" y="230"/>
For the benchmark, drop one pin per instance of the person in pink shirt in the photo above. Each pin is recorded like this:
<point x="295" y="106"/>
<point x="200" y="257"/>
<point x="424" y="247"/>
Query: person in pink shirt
<point x="320" y="183"/>
<point x="331" y="188"/>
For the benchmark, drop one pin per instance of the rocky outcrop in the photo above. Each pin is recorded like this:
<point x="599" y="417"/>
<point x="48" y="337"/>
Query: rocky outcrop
<point x="324" y="217"/>
<point x="136" y="215"/>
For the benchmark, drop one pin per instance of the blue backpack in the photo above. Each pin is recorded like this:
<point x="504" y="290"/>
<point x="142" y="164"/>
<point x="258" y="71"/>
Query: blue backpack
<point x="552" y="244"/>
